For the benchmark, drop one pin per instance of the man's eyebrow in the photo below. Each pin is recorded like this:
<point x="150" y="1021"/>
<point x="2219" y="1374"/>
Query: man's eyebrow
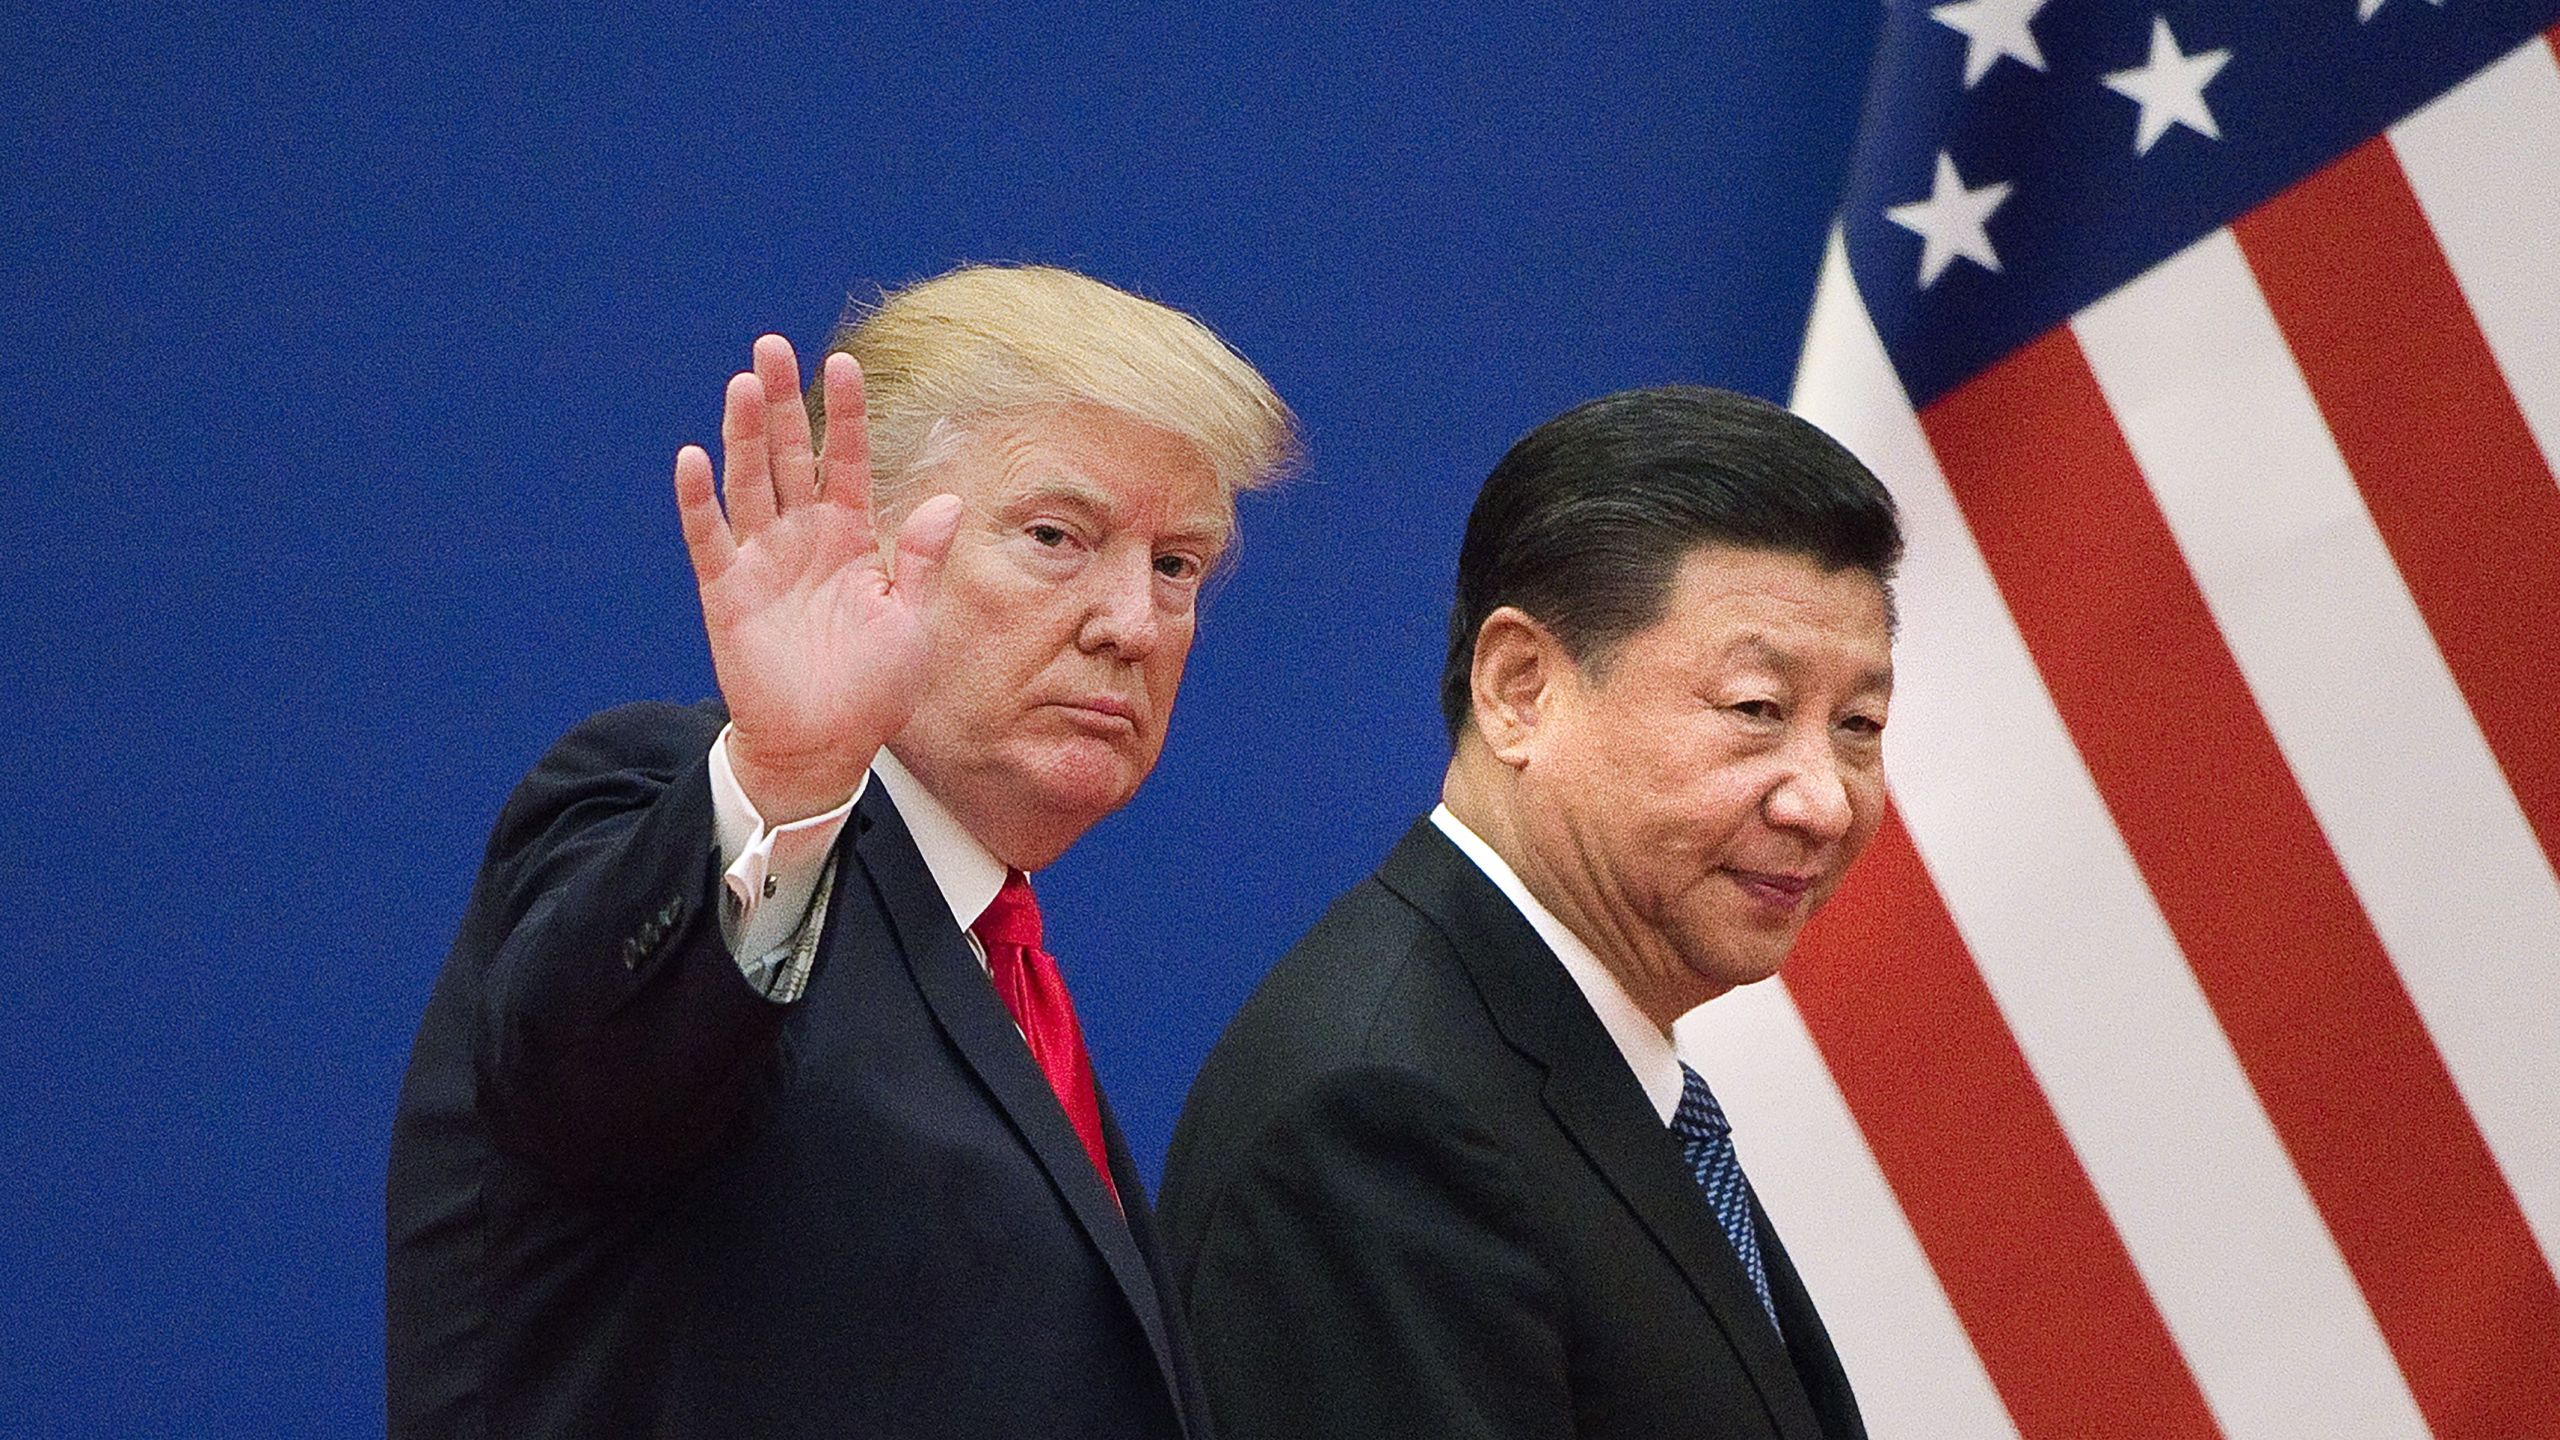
<point x="1206" y="527"/>
<point x="1209" y="531"/>
<point x="1758" y="647"/>
<point x="1752" y="645"/>
<point x="1067" y="490"/>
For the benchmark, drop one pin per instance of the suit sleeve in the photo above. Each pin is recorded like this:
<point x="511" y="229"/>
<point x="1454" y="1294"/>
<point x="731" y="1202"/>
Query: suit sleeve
<point x="1369" y="1267"/>
<point x="617" y="1042"/>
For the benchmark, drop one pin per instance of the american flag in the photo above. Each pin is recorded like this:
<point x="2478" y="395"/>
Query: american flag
<point x="2184" y="1057"/>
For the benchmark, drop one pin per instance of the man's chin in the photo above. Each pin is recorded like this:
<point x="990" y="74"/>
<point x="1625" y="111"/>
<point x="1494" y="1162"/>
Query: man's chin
<point x="1730" y="957"/>
<point x="1085" y="778"/>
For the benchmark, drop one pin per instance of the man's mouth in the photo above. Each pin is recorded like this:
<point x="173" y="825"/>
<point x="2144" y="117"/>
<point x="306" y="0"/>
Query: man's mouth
<point x="1103" y="714"/>
<point x="1778" y="890"/>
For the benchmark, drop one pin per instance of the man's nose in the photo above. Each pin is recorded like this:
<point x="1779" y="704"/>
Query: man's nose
<point x="1811" y="795"/>
<point x="1121" y="614"/>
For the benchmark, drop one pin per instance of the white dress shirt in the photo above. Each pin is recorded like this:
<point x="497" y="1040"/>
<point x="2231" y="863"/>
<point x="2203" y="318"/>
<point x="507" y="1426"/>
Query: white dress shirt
<point x="778" y="879"/>
<point x="1645" y="1048"/>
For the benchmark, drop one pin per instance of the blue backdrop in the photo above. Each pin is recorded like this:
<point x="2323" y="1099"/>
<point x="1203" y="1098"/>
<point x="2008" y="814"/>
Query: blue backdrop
<point x="346" y="352"/>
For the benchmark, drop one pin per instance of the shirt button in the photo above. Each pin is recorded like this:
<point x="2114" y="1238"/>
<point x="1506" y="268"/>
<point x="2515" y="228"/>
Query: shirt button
<point x="770" y="885"/>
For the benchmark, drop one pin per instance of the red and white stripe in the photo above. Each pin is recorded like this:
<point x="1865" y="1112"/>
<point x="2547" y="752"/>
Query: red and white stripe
<point x="2184" y="1058"/>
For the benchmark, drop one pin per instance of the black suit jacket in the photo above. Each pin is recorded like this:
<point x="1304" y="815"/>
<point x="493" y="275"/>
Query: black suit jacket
<point x="1417" y="1192"/>
<point x="631" y="1197"/>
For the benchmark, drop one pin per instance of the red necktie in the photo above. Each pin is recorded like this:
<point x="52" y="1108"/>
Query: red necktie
<point x="1028" y="981"/>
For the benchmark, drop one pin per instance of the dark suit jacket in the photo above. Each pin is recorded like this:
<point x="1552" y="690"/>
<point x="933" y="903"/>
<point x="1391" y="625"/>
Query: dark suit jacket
<point x="631" y="1197"/>
<point x="1417" y="1192"/>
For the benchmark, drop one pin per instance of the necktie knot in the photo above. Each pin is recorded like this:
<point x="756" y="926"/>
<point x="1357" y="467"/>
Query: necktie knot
<point x="1013" y="917"/>
<point x="1699" y="1116"/>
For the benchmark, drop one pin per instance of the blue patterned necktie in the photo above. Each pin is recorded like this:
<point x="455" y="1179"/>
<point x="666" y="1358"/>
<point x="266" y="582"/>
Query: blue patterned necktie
<point x="1707" y="1138"/>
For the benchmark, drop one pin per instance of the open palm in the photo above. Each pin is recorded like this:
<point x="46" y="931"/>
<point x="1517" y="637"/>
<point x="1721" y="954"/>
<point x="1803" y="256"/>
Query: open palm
<point x="819" y="648"/>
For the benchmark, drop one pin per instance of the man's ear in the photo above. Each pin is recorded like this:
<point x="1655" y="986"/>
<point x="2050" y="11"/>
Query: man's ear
<point x="1518" y="663"/>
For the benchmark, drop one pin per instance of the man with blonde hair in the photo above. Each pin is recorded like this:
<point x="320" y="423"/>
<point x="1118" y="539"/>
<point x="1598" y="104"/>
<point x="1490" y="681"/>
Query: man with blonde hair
<point x="750" y="1102"/>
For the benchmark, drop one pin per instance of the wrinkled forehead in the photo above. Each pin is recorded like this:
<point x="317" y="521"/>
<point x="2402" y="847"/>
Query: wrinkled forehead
<point x="1785" y="611"/>
<point x="1116" y="470"/>
<point x="1849" y="657"/>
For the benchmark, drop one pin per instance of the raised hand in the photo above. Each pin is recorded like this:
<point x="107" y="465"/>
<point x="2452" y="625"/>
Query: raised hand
<point x="819" y="652"/>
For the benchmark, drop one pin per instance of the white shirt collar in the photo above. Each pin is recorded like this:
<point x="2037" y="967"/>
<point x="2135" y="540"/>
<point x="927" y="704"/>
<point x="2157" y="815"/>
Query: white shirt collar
<point x="1647" y="1050"/>
<point x="967" y="875"/>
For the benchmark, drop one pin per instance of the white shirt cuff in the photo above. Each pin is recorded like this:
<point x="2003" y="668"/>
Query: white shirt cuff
<point x="769" y="873"/>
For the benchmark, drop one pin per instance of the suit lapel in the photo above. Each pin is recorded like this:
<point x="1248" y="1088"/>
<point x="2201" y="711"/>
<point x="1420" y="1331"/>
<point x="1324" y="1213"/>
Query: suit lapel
<point x="956" y="990"/>
<point x="1596" y="1100"/>
<point x="1173" y="1343"/>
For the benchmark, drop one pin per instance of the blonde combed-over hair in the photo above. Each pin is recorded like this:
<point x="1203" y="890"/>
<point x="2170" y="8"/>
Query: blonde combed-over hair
<point x="988" y="342"/>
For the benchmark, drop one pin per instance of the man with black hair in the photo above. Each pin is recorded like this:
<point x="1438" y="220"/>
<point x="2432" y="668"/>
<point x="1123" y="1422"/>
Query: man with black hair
<point x="1445" y="1174"/>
